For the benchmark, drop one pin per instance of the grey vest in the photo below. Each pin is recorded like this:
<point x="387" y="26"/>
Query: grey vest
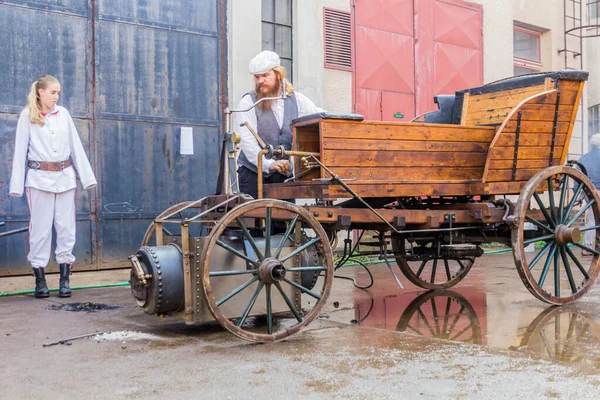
<point x="268" y="128"/>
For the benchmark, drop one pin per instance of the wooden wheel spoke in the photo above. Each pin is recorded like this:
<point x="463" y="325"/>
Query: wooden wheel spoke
<point x="269" y="311"/>
<point x="594" y="251"/>
<point x="249" y="238"/>
<point x="268" y="233"/>
<point x="563" y="196"/>
<point x="551" y="199"/>
<point x="315" y="268"/>
<point x="233" y="272"/>
<point x="540" y="255"/>
<point x="567" y="266"/>
<point x="538" y="223"/>
<point x="302" y="289"/>
<point x="433" y="270"/>
<point x="300" y="249"/>
<point x="556" y="274"/>
<point x="447" y="313"/>
<point x="237" y="253"/>
<point x="420" y="270"/>
<point x="286" y="235"/>
<point x="580" y="212"/>
<point x="537" y="239"/>
<point x="573" y="201"/>
<point x="577" y="262"/>
<point x="288" y="302"/>
<point x="250" y="304"/>
<point x="589" y="228"/>
<point x="447" y="268"/>
<point x="544" y="211"/>
<point x="237" y="290"/>
<point x="547" y="265"/>
<point x="460" y="333"/>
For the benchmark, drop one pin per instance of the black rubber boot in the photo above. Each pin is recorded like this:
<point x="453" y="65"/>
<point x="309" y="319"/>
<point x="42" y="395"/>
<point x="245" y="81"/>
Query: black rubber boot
<point x="41" y="288"/>
<point x="64" y="289"/>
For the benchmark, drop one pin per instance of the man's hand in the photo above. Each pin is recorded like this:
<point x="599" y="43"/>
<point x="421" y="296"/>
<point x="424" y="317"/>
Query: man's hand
<point x="281" y="166"/>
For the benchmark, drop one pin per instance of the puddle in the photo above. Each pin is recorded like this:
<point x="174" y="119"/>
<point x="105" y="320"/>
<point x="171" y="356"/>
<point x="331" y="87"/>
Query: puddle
<point x="478" y="311"/>
<point x="88" y="307"/>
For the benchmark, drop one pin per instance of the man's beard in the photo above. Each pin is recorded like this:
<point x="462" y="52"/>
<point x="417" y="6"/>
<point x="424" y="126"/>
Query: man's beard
<point x="272" y="92"/>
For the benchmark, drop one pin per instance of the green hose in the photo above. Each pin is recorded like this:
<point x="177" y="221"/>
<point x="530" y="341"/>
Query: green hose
<point x="21" y="292"/>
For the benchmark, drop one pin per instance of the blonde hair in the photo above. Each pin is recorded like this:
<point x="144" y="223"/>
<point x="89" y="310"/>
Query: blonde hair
<point x="279" y="70"/>
<point x="33" y="98"/>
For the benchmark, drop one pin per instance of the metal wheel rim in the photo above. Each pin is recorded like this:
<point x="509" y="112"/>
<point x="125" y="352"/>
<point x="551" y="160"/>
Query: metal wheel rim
<point x="518" y="242"/>
<point x="211" y="242"/>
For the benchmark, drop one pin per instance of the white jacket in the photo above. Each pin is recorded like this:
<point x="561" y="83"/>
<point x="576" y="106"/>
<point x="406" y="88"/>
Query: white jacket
<point x="56" y="141"/>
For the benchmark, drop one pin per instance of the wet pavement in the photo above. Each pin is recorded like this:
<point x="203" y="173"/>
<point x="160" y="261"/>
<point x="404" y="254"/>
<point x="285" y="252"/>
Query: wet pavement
<point x="487" y="337"/>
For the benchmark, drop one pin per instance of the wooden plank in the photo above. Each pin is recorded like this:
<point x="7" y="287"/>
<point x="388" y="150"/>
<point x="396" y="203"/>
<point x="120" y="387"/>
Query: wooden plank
<point x="406" y="131"/>
<point x="504" y="187"/>
<point x="349" y="158"/>
<point x="536" y="126"/>
<point x="418" y="174"/>
<point x="524" y="153"/>
<point x="505" y="175"/>
<point x="388" y="189"/>
<point x="526" y="164"/>
<point x="530" y="112"/>
<point x="514" y="96"/>
<point x="573" y="116"/>
<point x="530" y="139"/>
<point x="402" y="145"/>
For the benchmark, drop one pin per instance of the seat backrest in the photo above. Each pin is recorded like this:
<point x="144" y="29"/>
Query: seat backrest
<point x="491" y="103"/>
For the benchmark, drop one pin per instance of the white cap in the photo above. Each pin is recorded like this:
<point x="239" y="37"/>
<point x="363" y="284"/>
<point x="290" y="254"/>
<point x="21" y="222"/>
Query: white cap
<point x="263" y="62"/>
<point x="595" y="140"/>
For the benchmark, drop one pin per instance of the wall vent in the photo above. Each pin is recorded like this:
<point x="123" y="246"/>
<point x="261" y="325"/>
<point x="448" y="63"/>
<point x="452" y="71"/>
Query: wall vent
<point x="338" y="39"/>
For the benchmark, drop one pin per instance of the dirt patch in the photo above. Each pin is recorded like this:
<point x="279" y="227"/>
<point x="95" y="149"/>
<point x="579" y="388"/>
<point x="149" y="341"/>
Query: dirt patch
<point x="88" y="307"/>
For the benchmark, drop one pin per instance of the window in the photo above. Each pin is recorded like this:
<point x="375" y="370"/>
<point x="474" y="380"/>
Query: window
<point x="593" y="12"/>
<point x="338" y="39"/>
<point x="277" y="31"/>
<point x="594" y="120"/>
<point x="527" y="51"/>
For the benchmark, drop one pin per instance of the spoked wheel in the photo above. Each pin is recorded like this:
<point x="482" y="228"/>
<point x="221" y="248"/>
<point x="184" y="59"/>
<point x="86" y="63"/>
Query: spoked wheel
<point x="554" y="201"/>
<point x="424" y="268"/>
<point x="441" y="314"/>
<point x="269" y="285"/>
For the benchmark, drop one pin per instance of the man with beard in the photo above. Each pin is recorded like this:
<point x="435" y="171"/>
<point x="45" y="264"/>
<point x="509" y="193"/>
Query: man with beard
<point x="271" y="119"/>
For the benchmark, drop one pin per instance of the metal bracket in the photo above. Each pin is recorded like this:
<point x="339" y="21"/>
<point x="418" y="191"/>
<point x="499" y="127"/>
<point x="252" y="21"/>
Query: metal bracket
<point x="554" y="125"/>
<point x="516" y="153"/>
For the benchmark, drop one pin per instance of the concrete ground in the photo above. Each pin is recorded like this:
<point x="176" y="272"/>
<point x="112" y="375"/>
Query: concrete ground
<point x="384" y="343"/>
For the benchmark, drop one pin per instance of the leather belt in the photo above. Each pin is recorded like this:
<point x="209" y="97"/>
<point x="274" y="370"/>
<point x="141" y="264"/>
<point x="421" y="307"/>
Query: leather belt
<point x="50" y="166"/>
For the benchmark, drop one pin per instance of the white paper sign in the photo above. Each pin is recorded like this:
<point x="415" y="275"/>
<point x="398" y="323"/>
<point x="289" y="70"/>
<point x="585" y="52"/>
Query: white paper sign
<point x="186" y="141"/>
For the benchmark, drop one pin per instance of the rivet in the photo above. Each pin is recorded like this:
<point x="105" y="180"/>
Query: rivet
<point x="160" y="284"/>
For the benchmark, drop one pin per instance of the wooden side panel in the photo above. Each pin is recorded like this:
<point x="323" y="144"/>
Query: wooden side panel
<point x="492" y="108"/>
<point x="306" y="138"/>
<point x="539" y="143"/>
<point x="371" y="151"/>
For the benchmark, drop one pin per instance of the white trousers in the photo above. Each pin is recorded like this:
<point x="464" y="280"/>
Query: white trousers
<point x="48" y="209"/>
<point x="590" y="236"/>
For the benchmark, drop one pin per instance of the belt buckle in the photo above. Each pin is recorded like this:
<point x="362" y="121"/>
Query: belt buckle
<point x="34" y="165"/>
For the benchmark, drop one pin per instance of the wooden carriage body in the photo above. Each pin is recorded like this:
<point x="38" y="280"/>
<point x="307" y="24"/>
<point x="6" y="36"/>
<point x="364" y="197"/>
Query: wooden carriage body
<point x="483" y="141"/>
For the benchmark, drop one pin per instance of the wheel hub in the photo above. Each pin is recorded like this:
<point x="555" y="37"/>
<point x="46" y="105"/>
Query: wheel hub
<point x="271" y="270"/>
<point x="565" y="235"/>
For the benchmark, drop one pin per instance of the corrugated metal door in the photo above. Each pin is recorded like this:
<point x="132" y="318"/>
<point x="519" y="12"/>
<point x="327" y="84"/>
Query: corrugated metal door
<point x="132" y="74"/>
<point x="407" y="51"/>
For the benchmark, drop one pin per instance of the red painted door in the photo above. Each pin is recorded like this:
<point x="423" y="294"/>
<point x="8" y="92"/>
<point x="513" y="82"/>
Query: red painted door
<point x="384" y="43"/>
<point x="407" y="51"/>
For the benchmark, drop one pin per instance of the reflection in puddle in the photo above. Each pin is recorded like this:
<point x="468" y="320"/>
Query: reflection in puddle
<point x="564" y="334"/>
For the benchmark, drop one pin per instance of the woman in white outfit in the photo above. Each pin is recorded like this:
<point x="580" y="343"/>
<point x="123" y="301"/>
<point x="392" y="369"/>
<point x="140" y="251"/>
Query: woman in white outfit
<point x="48" y="150"/>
